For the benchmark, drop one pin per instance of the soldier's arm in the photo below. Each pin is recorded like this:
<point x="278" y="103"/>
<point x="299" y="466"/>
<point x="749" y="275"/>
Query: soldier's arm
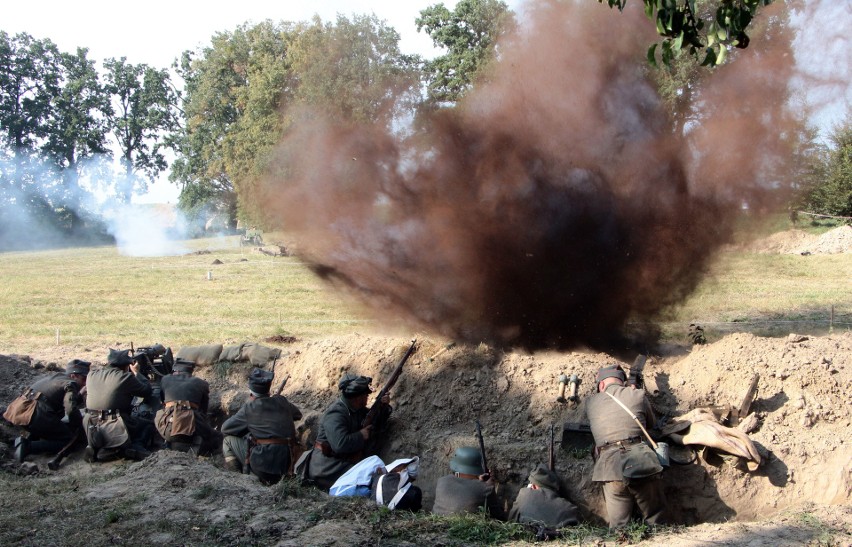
<point x="236" y="425"/>
<point x="295" y="412"/>
<point x="339" y="437"/>
<point x="72" y="400"/>
<point x="205" y="398"/>
<point x="139" y="385"/>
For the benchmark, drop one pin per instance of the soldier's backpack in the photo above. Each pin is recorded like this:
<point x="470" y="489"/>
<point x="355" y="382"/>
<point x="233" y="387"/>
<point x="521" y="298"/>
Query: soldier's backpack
<point x="106" y="430"/>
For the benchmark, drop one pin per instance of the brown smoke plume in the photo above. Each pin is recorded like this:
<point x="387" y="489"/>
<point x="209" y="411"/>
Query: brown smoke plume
<point x="554" y="208"/>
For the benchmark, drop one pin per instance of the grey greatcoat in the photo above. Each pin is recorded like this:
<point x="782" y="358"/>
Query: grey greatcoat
<point x="111" y="390"/>
<point x="543" y="506"/>
<point x="182" y="392"/>
<point x="456" y="495"/>
<point x="340" y="432"/>
<point x="610" y="425"/>
<point x="60" y="397"/>
<point x="270" y="420"/>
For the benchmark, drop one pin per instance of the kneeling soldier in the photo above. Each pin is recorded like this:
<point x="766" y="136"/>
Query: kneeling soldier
<point x="261" y="435"/>
<point x="343" y="439"/>
<point x="111" y="428"/>
<point x="540" y="502"/>
<point x="469" y="489"/>
<point x="182" y="422"/>
<point x="55" y="416"/>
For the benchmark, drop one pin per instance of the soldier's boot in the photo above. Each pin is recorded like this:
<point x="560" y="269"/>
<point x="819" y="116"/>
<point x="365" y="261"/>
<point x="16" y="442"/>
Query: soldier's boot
<point x="233" y="464"/>
<point x="136" y="453"/>
<point x="22" y="448"/>
<point x="90" y="454"/>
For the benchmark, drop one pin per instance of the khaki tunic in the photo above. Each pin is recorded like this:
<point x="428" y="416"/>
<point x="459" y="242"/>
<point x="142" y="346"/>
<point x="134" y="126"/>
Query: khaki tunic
<point x="610" y="423"/>
<point x="60" y="397"/>
<point x="266" y="418"/>
<point x="184" y="387"/>
<point x="111" y="388"/>
<point x="456" y="495"/>
<point x="543" y="506"/>
<point x="340" y="427"/>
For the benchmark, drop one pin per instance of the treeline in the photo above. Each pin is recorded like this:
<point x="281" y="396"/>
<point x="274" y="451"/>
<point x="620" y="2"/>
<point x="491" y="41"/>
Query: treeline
<point x="224" y="107"/>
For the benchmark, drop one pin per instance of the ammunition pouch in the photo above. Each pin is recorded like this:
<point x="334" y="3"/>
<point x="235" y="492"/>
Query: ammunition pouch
<point x="177" y="419"/>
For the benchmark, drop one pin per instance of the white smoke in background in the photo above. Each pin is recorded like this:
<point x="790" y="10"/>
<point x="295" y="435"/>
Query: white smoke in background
<point x="144" y="230"/>
<point x="30" y="196"/>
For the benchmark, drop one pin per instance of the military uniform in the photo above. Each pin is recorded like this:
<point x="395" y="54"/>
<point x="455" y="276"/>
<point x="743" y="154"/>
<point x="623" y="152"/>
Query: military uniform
<point x="182" y="421"/>
<point x="56" y="416"/>
<point x="463" y="492"/>
<point x="270" y="421"/>
<point x="543" y="505"/>
<point x="111" y="390"/>
<point x="615" y="432"/>
<point x="339" y="443"/>
<point x="456" y="495"/>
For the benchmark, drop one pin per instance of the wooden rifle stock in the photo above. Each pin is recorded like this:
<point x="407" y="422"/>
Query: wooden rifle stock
<point x="373" y="413"/>
<point x="281" y="387"/>
<point x="54" y="464"/>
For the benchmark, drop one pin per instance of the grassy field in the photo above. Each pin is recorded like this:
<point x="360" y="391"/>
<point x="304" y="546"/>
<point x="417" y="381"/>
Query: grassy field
<point x="96" y="297"/>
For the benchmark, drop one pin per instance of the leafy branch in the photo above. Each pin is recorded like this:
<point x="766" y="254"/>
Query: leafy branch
<point x="683" y="29"/>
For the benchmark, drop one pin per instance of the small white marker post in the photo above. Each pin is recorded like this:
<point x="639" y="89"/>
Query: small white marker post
<point x="209" y="275"/>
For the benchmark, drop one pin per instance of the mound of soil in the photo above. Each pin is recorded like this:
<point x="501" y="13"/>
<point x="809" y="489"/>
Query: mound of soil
<point x="802" y="412"/>
<point x="835" y="241"/>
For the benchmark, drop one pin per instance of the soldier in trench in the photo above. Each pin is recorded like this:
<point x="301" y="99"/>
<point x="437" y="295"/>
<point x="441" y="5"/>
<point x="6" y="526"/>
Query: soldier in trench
<point x="627" y="467"/>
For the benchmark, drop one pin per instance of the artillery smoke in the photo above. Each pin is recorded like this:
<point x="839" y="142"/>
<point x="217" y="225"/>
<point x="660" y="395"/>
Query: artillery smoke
<point x="555" y="207"/>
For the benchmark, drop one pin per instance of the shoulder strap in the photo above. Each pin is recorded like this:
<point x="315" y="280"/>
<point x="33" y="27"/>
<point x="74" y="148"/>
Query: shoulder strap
<point x="627" y="410"/>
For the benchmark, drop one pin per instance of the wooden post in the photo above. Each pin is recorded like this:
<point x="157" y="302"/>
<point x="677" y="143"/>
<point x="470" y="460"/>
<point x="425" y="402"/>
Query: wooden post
<point x="57" y="336"/>
<point x="831" y="320"/>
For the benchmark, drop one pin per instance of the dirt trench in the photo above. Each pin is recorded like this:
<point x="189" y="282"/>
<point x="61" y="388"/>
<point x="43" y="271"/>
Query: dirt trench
<point x="802" y="410"/>
<point x="801" y="407"/>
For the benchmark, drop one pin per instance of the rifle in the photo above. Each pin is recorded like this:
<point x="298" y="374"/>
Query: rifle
<point x="283" y="383"/>
<point x="484" y="461"/>
<point x="635" y="378"/>
<point x="551" y="457"/>
<point x="54" y="464"/>
<point x="373" y="413"/>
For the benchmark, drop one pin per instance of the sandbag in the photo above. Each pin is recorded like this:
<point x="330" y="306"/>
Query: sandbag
<point x="259" y="355"/>
<point x="201" y="355"/>
<point x="231" y="353"/>
<point x="704" y="429"/>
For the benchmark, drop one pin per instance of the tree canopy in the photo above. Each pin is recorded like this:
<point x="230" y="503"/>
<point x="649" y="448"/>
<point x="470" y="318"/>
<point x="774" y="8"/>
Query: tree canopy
<point x="468" y="33"/>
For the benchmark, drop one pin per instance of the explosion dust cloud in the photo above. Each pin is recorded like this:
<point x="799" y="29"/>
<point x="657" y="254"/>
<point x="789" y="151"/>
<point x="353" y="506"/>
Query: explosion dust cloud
<point x="555" y="207"/>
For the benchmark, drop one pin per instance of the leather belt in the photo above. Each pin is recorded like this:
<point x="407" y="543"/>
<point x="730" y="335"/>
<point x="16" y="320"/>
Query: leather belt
<point x="170" y="404"/>
<point x="274" y="440"/>
<point x="623" y="443"/>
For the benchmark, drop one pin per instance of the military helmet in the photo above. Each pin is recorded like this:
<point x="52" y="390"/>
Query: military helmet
<point x="468" y="460"/>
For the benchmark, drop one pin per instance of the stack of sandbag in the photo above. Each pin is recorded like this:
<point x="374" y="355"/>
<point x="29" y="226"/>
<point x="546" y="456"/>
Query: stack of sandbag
<point x="201" y="355"/>
<point x="257" y="354"/>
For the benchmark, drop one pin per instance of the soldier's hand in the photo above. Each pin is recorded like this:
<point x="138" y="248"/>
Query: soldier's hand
<point x="365" y="432"/>
<point x="134" y="368"/>
<point x="485" y="477"/>
<point x="386" y="399"/>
